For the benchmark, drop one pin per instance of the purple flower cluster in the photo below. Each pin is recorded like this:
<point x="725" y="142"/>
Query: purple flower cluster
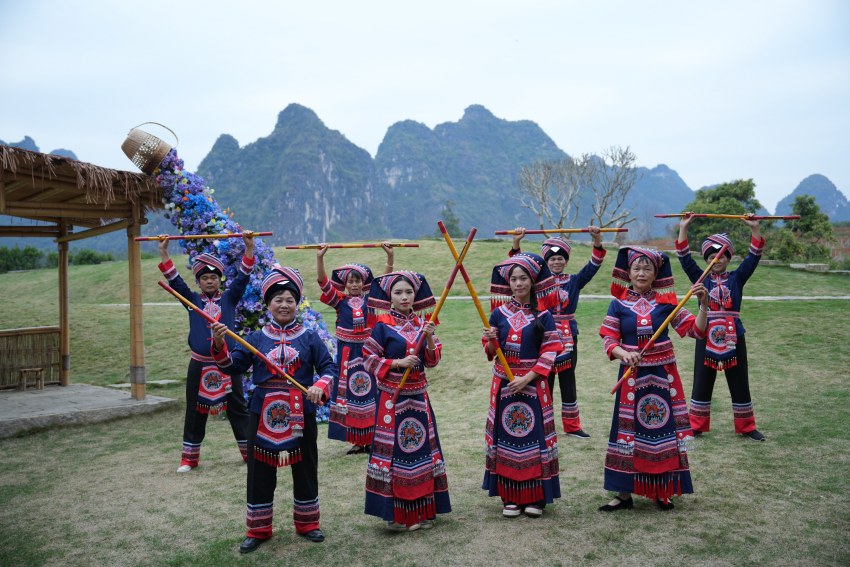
<point x="190" y="206"/>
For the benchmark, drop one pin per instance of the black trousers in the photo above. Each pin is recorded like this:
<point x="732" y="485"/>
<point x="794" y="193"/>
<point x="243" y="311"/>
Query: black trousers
<point x="737" y="377"/>
<point x="195" y="422"/>
<point x="262" y="481"/>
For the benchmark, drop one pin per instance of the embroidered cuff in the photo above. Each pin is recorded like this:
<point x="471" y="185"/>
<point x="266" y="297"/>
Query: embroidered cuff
<point x="168" y="270"/>
<point x="757" y="246"/>
<point x="597" y="255"/>
<point x="222" y="357"/>
<point x="543" y="367"/>
<point x="683" y="248"/>
<point x="324" y="382"/>
<point x="247" y="265"/>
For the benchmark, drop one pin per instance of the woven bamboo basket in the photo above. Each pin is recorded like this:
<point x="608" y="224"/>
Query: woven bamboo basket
<point x="145" y="150"/>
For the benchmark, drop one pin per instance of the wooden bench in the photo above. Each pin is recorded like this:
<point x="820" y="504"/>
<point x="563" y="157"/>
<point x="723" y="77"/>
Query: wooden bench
<point x="29" y="357"/>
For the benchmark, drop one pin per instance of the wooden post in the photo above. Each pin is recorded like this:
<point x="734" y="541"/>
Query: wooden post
<point x="64" y="322"/>
<point x="137" y="342"/>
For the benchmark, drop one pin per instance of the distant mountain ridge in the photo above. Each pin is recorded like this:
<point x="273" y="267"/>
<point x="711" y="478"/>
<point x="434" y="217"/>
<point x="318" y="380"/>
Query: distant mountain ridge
<point x="309" y="183"/>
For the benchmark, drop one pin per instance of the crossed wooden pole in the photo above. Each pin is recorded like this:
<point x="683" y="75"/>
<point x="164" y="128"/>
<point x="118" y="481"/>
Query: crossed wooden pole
<point x="669" y="318"/>
<point x="484" y="320"/>
<point x="438" y="307"/>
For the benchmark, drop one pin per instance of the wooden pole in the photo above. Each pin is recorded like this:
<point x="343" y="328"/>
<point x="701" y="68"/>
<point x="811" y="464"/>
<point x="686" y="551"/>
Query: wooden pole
<point x="317" y="246"/>
<point x="438" y="307"/>
<point x="105" y="229"/>
<point x="669" y="318"/>
<point x="201" y="236"/>
<point x="64" y="321"/>
<point x="137" y="339"/>
<point x="562" y="231"/>
<point x="721" y="216"/>
<point x="484" y="320"/>
<point x="271" y="365"/>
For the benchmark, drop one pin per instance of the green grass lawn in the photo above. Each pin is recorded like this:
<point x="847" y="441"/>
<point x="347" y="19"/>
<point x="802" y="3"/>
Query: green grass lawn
<point x="107" y="494"/>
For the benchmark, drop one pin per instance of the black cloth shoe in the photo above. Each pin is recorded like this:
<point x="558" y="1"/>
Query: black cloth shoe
<point x="621" y="504"/>
<point x="664" y="505"/>
<point x="580" y="434"/>
<point x="250" y="544"/>
<point x="356" y="450"/>
<point x="316" y="536"/>
<point x="697" y="433"/>
<point x="756" y="435"/>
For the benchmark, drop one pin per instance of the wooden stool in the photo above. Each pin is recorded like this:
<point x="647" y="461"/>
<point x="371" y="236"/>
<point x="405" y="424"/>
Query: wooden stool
<point x="26" y="374"/>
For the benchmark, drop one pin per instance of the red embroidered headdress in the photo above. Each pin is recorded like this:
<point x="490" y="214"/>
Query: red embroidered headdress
<point x="714" y="243"/>
<point x="545" y="287"/>
<point x="380" y="291"/>
<point x="283" y="277"/>
<point x="663" y="284"/>
<point x="555" y="245"/>
<point x="206" y="263"/>
<point x="339" y="276"/>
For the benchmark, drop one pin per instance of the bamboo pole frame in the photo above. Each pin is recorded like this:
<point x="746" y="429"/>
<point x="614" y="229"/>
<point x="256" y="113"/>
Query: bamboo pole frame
<point x="471" y="288"/>
<point x="438" y="307"/>
<point x="280" y="371"/>
<point x="669" y="318"/>
<point x="561" y="231"/>
<point x="64" y="315"/>
<point x="137" y="343"/>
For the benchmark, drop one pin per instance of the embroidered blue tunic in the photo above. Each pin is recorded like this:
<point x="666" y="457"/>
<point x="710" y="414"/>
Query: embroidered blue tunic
<point x="406" y="478"/>
<point x="221" y="306"/>
<point x="521" y="444"/>
<point x="352" y="400"/>
<point x="647" y="453"/>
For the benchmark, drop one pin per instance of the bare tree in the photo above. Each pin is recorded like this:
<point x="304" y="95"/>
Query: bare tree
<point x="612" y="177"/>
<point x="535" y="182"/>
<point x="551" y="189"/>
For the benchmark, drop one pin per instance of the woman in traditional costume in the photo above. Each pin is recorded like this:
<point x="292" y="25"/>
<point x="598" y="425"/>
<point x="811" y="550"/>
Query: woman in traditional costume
<point x="724" y="347"/>
<point x="647" y="446"/>
<point x="406" y="483"/>
<point x="283" y="428"/>
<point x="352" y="402"/>
<point x="207" y="390"/>
<point x="556" y="253"/>
<point x="521" y="443"/>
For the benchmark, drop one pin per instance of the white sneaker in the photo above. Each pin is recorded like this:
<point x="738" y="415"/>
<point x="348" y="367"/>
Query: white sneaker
<point x="184" y="468"/>
<point x="511" y="511"/>
<point x="533" y="511"/>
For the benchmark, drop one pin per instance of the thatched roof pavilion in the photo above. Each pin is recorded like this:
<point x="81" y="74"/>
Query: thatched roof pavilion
<point x="76" y="200"/>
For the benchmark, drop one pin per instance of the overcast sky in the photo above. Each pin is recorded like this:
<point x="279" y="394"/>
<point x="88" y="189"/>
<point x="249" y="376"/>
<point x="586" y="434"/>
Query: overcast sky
<point x="717" y="90"/>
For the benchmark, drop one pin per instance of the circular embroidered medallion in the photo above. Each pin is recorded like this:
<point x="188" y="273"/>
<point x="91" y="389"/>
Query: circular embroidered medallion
<point x="276" y="416"/>
<point x="411" y="435"/>
<point x="359" y="383"/>
<point x="212" y="380"/>
<point x="717" y="335"/>
<point x="518" y="419"/>
<point x="653" y="411"/>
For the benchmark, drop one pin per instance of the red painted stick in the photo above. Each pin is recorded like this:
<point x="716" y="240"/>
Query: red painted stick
<point x="421" y="341"/>
<point x="484" y="320"/>
<point x="237" y="338"/>
<point x="317" y="246"/>
<point x="562" y="231"/>
<point x="720" y="216"/>
<point x="669" y="318"/>
<point x="200" y="236"/>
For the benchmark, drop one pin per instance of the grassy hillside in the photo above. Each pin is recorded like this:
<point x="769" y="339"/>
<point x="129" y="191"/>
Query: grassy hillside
<point x="108" y="493"/>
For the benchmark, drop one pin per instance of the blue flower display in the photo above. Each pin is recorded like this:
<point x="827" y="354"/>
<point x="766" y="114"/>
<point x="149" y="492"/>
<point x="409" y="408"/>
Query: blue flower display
<point x="190" y="206"/>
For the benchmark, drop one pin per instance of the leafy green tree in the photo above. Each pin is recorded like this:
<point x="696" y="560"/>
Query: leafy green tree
<point x="804" y="239"/>
<point x="27" y="258"/>
<point x="86" y="257"/>
<point x="732" y="198"/>
<point x="450" y="220"/>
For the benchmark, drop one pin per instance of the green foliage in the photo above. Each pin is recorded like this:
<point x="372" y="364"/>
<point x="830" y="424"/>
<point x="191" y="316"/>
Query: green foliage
<point x="27" y="258"/>
<point x="804" y="239"/>
<point x="732" y="198"/>
<point x="451" y="221"/>
<point x="86" y="257"/>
